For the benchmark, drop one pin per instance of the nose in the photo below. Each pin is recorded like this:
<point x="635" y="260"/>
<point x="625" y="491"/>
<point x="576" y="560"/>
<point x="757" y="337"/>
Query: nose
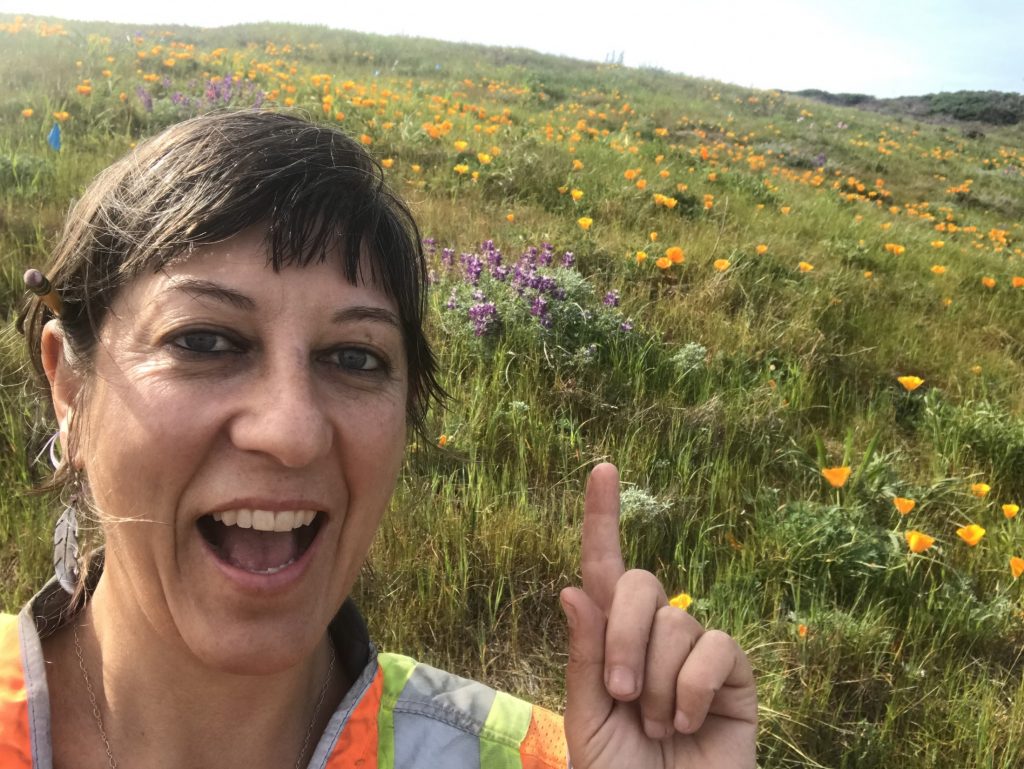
<point x="283" y="416"/>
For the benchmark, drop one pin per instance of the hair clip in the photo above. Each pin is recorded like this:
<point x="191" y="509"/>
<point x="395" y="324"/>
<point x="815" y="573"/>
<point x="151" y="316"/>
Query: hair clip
<point x="40" y="285"/>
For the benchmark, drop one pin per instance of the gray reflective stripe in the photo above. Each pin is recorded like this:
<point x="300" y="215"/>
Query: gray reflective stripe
<point x="426" y="743"/>
<point x="34" y="666"/>
<point x="440" y="714"/>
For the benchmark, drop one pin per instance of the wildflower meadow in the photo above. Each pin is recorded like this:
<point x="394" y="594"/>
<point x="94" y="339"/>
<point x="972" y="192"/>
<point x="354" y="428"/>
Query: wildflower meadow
<point x="797" y="328"/>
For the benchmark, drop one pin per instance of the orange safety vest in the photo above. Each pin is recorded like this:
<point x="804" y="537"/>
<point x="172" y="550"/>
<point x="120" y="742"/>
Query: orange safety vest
<point x="400" y="714"/>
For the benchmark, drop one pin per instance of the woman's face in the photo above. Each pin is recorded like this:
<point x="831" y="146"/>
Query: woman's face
<point x="225" y="400"/>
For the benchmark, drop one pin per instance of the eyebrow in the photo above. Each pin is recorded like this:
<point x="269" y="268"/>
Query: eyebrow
<point x="197" y="289"/>
<point x="361" y="312"/>
<point x="206" y="289"/>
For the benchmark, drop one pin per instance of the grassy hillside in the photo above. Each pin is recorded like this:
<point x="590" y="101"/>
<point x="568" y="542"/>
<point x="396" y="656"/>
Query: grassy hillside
<point x="722" y="290"/>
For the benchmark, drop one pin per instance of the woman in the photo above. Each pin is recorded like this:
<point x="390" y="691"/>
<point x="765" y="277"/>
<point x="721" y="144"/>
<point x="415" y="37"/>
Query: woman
<point x="233" y="348"/>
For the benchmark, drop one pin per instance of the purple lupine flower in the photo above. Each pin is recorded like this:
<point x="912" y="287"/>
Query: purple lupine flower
<point x="452" y="301"/>
<point x="484" y="316"/>
<point x="568" y="259"/>
<point x="473" y="266"/>
<point x="492" y="253"/>
<point x="145" y="97"/>
<point x="478" y="296"/>
<point x="539" y="307"/>
<point x="546" y="254"/>
<point x="611" y="299"/>
<point x="430" y="246"/>
<point x="447" y="256"/>
<point x="626" y="326"/>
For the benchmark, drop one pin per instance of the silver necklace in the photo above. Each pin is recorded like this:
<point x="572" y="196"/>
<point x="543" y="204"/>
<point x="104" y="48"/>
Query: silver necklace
<point x="98" y="717"/>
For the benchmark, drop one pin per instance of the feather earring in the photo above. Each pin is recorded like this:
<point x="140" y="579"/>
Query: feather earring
<point x="65" y="546"/>
<point x="65" y="533"/>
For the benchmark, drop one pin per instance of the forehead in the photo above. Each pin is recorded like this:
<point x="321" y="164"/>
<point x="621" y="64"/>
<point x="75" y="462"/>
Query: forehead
<point x="242" y="265"/>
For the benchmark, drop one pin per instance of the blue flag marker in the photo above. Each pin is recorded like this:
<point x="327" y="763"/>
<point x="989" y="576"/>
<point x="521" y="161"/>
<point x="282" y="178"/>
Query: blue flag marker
<point x="53" y="138"/>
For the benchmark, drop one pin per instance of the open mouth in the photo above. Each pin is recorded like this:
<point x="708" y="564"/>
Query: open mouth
<point x="260" y="541"/>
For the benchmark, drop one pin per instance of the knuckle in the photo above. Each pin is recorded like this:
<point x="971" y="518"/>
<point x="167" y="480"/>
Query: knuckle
<point x="694" y="695"/>
<point x="719" y="639"/>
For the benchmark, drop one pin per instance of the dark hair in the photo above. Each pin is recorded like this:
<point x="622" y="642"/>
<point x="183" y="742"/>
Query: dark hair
<point x="207" y="179"/>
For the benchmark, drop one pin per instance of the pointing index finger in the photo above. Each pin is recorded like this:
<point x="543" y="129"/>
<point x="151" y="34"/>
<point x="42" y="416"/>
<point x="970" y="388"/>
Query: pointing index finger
<point x="601" y="552"/>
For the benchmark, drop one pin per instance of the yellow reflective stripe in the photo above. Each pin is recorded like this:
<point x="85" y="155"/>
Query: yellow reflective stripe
<point x="396" y="668"/>
<point x="504" y="731"/>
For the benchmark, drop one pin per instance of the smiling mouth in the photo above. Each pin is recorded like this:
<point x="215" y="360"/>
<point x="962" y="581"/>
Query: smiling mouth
<point x="260" y="541"/>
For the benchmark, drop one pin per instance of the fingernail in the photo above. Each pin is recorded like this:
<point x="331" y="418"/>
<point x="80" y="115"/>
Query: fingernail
<point x="621" y="682"/>
<point x="682" y="723"/>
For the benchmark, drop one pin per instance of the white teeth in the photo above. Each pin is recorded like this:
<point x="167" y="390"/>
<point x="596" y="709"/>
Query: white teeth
<point x="275" y="569"/>
<point x="266" y="520"/>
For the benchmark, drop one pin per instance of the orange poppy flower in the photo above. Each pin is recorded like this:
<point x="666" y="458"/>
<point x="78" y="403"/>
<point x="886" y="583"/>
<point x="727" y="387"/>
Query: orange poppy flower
<point x="910" y="383"/>
<point x="836" y="476"/>
<point x="918" y="541"/>
<point x="904" y="505"/>
<point x="1017" y="281"/>
<point x="1010" y="511"/>
<point x="675" y="254"/>
<point x="681" y="601"/>
<point x="641" y="256"/>
<point x="805" y="267"/>
<point x="971" y="534"/>
<point x="980" y="489"/>
<point x="1016" y="566"/>
<point x="761" y="248"/>
<point x="988" y="282"/>
<point x="721" y="265"/>
<point x="663" y="263"/>
<point x="584" y="222"/>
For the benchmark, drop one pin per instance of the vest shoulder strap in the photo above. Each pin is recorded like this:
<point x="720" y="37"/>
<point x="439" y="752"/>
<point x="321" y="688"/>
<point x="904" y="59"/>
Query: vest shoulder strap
<point x="15" y="741"/>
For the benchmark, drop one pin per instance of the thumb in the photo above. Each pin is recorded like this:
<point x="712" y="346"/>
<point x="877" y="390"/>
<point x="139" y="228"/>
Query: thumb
<point x="587" y="702"/>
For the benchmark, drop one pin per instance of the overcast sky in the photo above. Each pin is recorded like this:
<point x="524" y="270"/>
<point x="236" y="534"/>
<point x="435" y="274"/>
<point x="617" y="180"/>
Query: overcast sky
<point x="880" y="47"/>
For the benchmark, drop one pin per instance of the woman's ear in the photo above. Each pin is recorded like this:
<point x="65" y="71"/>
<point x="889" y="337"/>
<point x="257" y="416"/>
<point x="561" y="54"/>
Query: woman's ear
<point x="64" y="381"/>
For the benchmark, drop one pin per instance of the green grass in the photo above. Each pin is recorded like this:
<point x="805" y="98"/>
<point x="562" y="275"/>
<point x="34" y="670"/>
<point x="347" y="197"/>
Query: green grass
<point x="721" y="405"/>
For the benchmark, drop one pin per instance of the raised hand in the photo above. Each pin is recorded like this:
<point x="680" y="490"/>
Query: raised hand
<point x="647" y="686"/>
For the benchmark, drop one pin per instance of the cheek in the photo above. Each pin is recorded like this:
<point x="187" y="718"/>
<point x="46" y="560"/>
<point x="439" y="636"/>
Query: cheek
<point x="136" y="444"/>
